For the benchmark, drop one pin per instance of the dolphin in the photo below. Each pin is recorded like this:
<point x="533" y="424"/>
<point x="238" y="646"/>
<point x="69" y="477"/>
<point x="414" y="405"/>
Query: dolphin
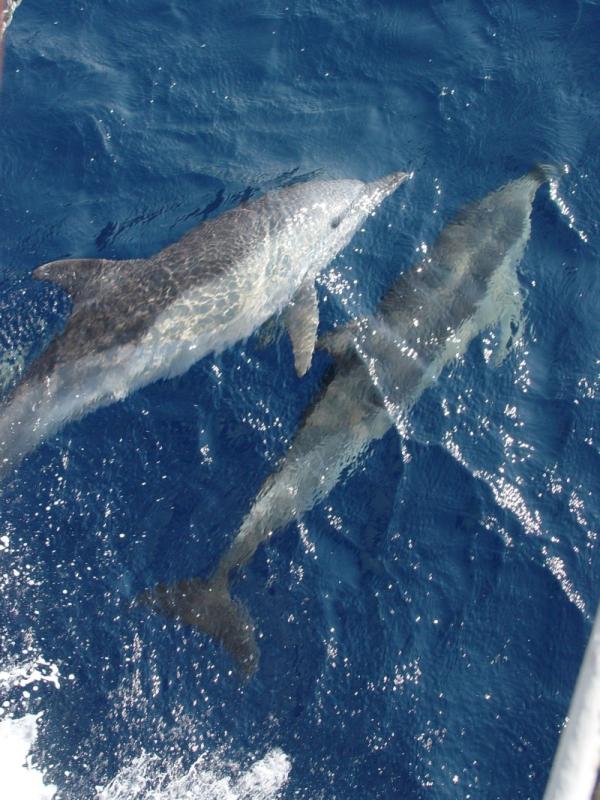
<point x="134" y="322"/>
<point x="467" y="283"/>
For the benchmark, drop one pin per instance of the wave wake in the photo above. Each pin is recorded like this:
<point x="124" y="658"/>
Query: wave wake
<point x="147" y="777"/>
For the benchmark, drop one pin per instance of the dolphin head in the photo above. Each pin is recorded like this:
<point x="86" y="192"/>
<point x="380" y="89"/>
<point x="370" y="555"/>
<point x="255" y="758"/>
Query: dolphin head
<point x="380" y="188"/>
<point x="346" y="203"/>
<point x="368" y="197"/>
<point x="311" y="222"/>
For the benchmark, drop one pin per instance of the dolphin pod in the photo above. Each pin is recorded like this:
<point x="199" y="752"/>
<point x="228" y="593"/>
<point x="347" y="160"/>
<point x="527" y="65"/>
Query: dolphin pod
<point x="467" y="283"/>
<point x="134" y="322"/>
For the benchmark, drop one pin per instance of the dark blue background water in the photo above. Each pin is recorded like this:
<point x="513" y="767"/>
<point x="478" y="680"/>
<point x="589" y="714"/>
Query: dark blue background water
<point x="422" y="636"/>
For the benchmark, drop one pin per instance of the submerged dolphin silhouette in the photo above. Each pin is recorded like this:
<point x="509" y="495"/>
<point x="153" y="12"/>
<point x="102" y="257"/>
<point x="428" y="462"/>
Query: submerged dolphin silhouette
<point x="136" y="321"/>
<point x="427" y="318"/>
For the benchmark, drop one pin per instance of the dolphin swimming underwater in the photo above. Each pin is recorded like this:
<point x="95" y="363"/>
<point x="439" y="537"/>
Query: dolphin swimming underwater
<point x="429" y="316"/>
<point x="136" y="321"/>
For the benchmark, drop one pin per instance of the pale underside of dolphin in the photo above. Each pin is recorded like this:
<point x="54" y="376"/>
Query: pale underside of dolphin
<point x="136" y="321"/>
<point x="468" y="283"/>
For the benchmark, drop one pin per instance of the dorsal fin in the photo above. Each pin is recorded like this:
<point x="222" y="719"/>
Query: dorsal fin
<point x="73" y="274"/>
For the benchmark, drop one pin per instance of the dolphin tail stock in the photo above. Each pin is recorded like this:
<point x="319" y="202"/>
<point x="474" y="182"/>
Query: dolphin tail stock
<point x="207" y="604"/>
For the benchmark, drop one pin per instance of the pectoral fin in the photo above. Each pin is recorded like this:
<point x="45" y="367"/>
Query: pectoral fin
<point x="301" y="319"/>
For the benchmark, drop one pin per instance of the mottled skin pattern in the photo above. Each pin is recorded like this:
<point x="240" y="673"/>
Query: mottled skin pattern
<point x="467" y="283"/>
<point x="121" y="302"/>
<point x="134" y="322"/>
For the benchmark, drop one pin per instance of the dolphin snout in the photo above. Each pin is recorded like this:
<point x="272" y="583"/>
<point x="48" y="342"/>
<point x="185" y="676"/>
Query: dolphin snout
<point x="382" y="187"/>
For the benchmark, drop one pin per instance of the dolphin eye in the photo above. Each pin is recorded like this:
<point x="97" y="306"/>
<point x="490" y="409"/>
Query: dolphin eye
<point x="336" y="221"/>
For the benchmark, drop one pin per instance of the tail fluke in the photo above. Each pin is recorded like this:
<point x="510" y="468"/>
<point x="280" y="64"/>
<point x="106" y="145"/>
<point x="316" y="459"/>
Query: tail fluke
<point x="209" y="606"/>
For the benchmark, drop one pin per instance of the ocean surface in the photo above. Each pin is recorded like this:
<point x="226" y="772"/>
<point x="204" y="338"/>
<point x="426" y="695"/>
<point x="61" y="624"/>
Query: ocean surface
<point x="422" y="628"/>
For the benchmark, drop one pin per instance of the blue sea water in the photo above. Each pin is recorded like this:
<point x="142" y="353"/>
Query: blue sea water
<point x="421" y="629"/>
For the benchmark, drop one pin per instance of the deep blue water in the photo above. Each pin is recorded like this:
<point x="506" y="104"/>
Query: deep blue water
<point x="422" y="636"/>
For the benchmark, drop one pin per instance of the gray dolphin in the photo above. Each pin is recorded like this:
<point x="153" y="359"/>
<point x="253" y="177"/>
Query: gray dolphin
<point x="466" y="284"/>
<point x="133" y="322"/>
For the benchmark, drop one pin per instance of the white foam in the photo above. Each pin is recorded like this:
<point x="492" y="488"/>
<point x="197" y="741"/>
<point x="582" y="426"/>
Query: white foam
<point x="6" y="14"/>
<point x="37" y="670"/>
<point x="149" y="777"/>
<point x="20" y="779"/>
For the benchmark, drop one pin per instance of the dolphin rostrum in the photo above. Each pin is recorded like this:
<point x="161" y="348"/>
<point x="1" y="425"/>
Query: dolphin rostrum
<point x="136" y="321"/>
<point x="467" y="283"/>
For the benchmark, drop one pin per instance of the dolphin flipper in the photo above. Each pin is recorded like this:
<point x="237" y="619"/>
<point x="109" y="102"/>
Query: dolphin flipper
<point x="209" y="606"/>
<point x="301" y="319"/>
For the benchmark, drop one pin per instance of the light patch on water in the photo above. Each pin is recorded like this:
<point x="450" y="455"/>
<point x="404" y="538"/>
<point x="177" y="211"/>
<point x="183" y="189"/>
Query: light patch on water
<point x="577" y="509"/>
<point x="589" y="388"/>
<point x="269" y="426"/>
<point x="508" y="496"/>
<point x="12" y="366"/>
<point x="151" y="777"/>
<point x="308" y="544"/>
<point x="20" y="778"/>
<point x="23" y="663"/>
<point x="23" y="673"/>
<point x="23" y="666"/>
<point x="343" y="285"/>
<point x="405" y="675"/>
<point x="564" y="209"/>
<point x="557" y="567"/>
<point x="331" y="651"/>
